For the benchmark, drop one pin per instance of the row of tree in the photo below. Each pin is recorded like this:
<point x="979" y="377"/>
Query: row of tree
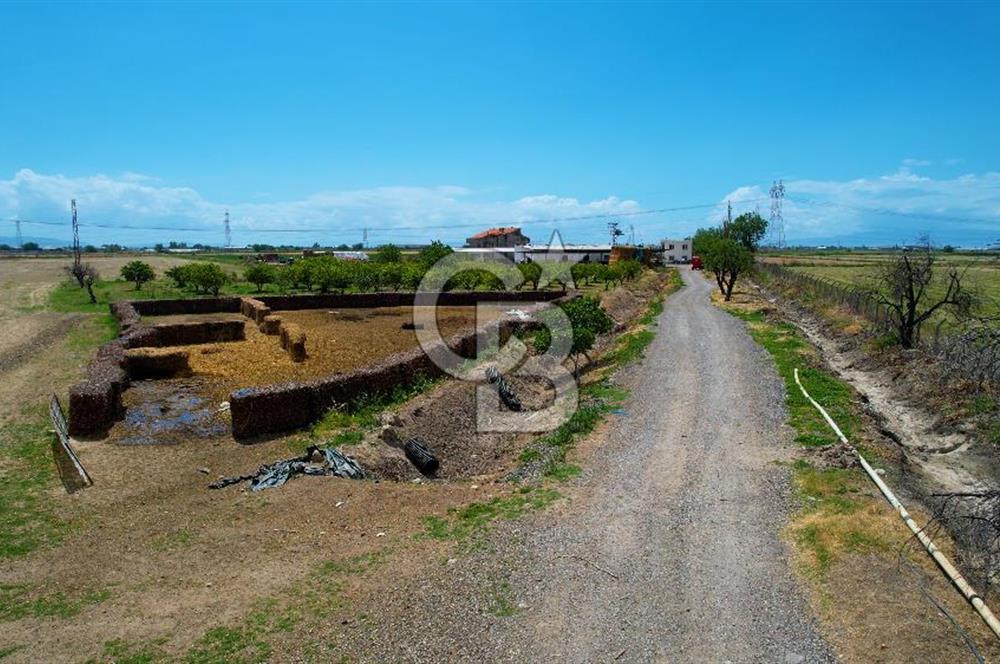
<point x="386" y="269"/>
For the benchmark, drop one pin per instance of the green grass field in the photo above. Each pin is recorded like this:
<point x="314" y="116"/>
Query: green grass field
<point x="859" y="269"/>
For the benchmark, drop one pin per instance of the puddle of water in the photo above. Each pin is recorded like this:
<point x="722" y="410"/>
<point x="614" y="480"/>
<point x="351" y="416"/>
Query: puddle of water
<point x="165" y="412"/>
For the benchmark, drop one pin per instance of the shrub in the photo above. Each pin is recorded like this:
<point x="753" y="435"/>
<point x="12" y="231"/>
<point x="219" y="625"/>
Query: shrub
<point x="138" y="273"/>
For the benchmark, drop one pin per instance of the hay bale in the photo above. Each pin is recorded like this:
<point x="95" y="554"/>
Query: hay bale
<point x="141" y="335"/>
<point x="150" y="363"/>
<point x="293" y="339"/>
<point x="126" y="314"/>
<point x="93" y="408"/>
<point x="272" y="408"/>
<point x="297" y="345"/>
<point x="270" y="325"/>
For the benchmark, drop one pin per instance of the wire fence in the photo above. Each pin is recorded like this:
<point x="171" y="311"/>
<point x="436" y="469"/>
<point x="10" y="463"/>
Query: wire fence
<point x="856" y="299"/>
<point x="968" y="349"/>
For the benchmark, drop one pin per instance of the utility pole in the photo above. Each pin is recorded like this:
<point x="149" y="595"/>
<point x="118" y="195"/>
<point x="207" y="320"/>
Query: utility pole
<point x="20" y="240"/>
<point x="77" y="268"/>
<point x="777" y="194"/>
<point x="229" y="235"/>
<point x="631" y="234"/>
<point x="364" y="238"/>
<point x="615" y="232"/>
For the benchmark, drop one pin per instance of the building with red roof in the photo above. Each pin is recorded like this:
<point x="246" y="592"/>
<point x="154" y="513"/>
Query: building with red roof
<point x="506" y="236"/>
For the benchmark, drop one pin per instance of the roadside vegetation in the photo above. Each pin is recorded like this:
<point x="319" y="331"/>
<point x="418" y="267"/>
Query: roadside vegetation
<point x="938" y="328"/>
<point x="860" y="269"/>
<point x="846" y="539"/>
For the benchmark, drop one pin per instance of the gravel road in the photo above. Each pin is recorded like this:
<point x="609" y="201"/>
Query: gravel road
<point x="669" y="548"/>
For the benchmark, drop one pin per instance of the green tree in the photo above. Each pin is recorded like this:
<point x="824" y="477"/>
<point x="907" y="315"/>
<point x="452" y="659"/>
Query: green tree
<point x="138" y="273"/>
<point x="364" y="275"/>
<point x="587" y="321"/>
<point x="531" y="272"/>
<point x="728" y="251"/>
<point x="434" y="252"/>
<point x="179" y="274"/>
<point x="387" y="253"/>
<point x="727" y="259"/>
<point x="391" y="275"/>
<point x="748" y="229"/>
<point x="30" y="246"/>
<point x="412" y="274"/>
<point x="207" y="277"/>
<point x="260" y="274"/>
<point x="630" y="269"/>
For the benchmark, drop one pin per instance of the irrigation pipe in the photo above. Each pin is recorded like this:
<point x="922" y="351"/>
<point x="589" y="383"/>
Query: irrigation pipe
<point x="942" y="560"/>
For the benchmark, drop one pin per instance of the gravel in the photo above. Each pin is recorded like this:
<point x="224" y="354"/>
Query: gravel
<point x="669" y="548"/>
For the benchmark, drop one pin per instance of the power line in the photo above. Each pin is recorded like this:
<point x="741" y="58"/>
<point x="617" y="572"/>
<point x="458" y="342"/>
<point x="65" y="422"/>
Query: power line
<point x="591" y="217"/>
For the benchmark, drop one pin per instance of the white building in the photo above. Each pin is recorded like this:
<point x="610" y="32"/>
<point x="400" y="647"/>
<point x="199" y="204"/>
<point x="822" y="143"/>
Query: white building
<point x="576" y="253"/>
<point x="677" y="251"/>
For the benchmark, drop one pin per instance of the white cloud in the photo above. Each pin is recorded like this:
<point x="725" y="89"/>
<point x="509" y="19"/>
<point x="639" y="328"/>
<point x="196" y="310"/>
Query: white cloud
<point x="891" y="208"/>
<point x="448" y="211"/>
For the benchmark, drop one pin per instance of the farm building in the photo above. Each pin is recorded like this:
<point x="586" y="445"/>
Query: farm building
<point x="677" y="251"/>
<point x="508" y="236"/>
<point x="583" y="253"/>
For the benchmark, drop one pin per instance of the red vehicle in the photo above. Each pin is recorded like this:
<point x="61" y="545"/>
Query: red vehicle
<point x="696" y="262"/>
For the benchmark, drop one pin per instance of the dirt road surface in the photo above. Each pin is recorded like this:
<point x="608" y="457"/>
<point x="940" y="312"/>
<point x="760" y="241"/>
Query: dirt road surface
<point x="669" y="548"/>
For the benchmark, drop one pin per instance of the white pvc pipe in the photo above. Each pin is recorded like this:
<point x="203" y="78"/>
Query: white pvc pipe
<point x="942" y="560"/>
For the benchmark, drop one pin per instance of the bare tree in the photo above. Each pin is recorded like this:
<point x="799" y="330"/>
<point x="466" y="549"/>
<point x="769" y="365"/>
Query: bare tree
<point x="903" y="286"/>
<point x="90" y="275"/>
<point x="76" y="270"/>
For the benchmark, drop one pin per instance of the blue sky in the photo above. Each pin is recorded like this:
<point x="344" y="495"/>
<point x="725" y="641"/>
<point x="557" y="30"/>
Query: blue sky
<point x="436" y="119"/>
